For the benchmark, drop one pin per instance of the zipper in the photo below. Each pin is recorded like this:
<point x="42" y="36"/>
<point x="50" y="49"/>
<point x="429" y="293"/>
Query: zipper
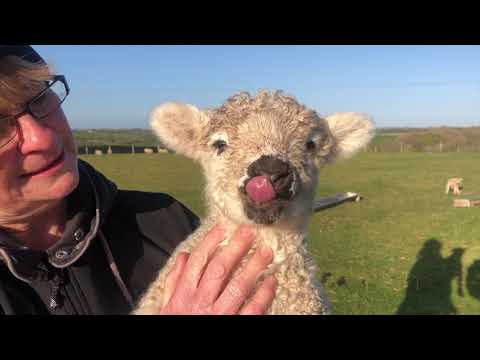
<point x="56" y="297"/>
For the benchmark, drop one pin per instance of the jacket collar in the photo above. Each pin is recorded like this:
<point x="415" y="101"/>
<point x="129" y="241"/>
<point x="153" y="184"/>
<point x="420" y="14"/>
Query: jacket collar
<point x="87" y="206"/>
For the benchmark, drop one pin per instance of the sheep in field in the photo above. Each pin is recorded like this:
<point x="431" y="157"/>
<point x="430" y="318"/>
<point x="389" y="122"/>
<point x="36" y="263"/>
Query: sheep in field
<point x="455" y="185"/>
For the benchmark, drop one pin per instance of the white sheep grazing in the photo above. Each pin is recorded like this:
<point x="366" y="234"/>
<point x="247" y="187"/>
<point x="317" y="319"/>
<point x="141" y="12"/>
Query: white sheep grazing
<point x="261" y="157"/>
<point x="454" y="184"/>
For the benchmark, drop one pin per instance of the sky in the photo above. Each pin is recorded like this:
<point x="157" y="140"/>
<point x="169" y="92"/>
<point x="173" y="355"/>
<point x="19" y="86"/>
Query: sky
<point x="416" y="86"/>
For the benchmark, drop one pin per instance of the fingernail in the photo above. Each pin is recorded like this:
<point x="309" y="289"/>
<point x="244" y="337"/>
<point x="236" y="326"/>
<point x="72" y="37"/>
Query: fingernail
<point x="272" y="280"/>
<point x="266" y="252"/>
<point x="247" y="231"/>
<point x="218" y="230"/>
<point x="181" y="255"/>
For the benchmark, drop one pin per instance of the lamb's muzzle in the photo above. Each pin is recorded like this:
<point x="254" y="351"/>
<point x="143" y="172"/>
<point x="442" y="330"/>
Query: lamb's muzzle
<point x="270" y="185"/>
<point x="278" y="172"/>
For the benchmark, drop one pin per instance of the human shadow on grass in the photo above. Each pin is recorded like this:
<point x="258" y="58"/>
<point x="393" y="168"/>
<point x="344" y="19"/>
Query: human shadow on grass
<point x="473" y="279"/>
<point x="430" y="281"/>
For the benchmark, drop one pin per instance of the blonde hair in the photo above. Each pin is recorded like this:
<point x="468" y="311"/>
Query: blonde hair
<point x="20" y="80"/>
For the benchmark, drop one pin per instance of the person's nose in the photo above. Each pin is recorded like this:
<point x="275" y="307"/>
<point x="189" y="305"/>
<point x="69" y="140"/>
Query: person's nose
<point x="35" y="135"/>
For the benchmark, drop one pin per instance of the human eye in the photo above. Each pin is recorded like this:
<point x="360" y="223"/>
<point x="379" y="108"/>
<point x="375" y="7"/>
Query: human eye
<point x="41" y="101"/>
<point x="7" y="125"/>
<point x="3" y="126"/>
<point x="43" y="104"/>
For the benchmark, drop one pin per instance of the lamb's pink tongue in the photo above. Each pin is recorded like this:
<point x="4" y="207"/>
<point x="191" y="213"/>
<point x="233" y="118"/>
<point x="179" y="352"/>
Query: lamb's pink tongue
<point x="260" y="189"/>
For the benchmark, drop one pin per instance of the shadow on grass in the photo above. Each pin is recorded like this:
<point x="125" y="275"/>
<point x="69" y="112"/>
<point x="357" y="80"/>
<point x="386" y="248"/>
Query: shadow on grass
<point x="430" y="281"/>
<point x="473" y="279"/>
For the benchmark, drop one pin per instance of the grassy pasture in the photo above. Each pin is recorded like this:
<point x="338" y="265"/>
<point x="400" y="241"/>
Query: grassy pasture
<point x="403" y="249"/>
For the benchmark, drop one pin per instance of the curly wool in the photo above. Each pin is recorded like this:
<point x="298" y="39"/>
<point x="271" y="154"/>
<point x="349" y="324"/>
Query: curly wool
<point x="242" y="104"/>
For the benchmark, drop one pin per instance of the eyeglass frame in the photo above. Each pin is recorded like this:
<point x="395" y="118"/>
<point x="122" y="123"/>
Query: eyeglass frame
<point x="28" y="109"/>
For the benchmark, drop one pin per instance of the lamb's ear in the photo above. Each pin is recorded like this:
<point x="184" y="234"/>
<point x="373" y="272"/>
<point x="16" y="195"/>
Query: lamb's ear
<point x="179" y="127"/>
<point x="351" y="131"/>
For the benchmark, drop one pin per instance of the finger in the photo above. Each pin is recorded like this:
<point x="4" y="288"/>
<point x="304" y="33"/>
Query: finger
<point x="243" y="283"/>
<point x="221" y="265"/>
<point x="173" y="277"/>
<point x="195" y="265"/>
<point x="262" y="299"/>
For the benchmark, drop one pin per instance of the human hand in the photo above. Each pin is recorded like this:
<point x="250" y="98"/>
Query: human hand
<point x="201" y="283"/>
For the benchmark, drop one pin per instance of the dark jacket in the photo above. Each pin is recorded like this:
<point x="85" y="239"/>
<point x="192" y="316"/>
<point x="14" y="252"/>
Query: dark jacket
<point x="114" y="244"/>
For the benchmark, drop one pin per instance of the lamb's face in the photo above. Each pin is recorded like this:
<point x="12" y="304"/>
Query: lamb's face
<point x="264" y="167"/>
<point x="261" y="155"/>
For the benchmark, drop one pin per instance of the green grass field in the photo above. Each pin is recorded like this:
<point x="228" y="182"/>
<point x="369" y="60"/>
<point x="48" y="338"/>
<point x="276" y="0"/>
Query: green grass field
<point x="403" y="249"/>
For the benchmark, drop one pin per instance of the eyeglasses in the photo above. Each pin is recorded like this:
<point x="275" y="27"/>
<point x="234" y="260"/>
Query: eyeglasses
<point x="42" y="105"/>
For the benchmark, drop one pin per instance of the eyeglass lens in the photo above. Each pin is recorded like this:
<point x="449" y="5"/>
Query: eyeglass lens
<point x="40" y="107"/>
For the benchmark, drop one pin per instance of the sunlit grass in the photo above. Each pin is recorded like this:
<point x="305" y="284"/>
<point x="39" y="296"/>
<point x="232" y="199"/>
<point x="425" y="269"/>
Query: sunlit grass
<point x="365" y="250"/>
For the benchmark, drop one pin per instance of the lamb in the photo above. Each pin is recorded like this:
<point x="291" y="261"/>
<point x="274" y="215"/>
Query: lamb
<point x="455" y="185"/>
<point x="261" y="157"/>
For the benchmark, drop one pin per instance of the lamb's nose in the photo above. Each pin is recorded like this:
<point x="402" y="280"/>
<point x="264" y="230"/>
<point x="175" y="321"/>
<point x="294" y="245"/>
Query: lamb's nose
<point x="280" y="173"/>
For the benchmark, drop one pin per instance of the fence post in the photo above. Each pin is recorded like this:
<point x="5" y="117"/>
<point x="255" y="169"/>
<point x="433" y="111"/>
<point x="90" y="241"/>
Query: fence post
<point x="86" y="149"/>
<point x="133" y="149"/>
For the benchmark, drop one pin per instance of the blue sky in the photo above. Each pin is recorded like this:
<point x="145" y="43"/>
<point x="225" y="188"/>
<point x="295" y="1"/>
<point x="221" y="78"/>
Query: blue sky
<point x="117" y="86"/>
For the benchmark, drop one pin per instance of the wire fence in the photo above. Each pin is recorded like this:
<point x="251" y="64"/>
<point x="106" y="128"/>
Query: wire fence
<point x="438" y="148"/>
<point x="386" y="147"/>
<point x="119" y="149"/>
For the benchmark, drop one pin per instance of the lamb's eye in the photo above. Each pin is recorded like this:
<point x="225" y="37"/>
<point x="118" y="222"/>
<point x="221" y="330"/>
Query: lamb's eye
<point x="310" y="145"/>
<point x="220" y="145"/>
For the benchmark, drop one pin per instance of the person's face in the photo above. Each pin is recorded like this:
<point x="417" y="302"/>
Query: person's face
<point x="40" y="164"/>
